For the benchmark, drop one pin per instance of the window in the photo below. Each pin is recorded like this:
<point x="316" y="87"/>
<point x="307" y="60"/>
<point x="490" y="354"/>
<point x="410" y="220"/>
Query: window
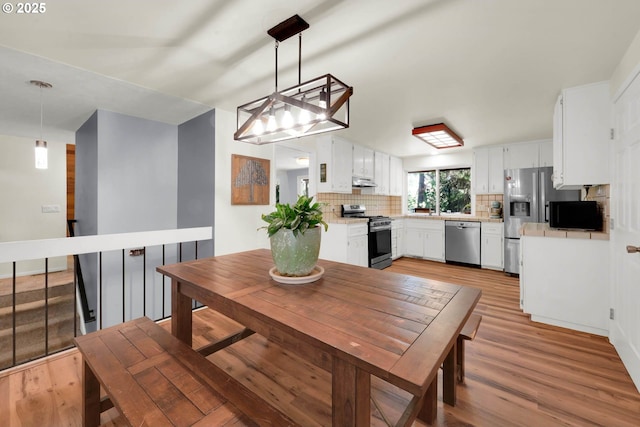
<point x="440" y="190"/>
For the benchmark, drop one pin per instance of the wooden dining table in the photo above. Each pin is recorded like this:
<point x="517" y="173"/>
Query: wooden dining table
<point x="354" y="322"/>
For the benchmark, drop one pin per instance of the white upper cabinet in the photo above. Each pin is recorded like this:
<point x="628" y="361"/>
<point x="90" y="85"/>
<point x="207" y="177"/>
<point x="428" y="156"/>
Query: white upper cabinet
<point x="334" y="165"/>
<point x="481" y="170"/>
<point x="545" y="154"/>
<point x="363" y="162"/>
<point x="521" y="155"/>
<point x="488" y="170"/>
<point x="496" y="170"/>
<point x="396" y="176"/>
<point x="528" y="155"/>
<point x="581" y="136"/>
<point x="381" y="173"/>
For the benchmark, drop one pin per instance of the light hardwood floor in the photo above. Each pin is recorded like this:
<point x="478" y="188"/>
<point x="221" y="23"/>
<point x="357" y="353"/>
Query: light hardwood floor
<point x="518" y="373"/>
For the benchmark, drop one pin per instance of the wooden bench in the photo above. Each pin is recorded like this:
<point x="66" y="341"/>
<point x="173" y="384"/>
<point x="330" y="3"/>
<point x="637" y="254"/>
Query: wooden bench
<point x="301" y="389"/>
<point x="453" y="365"/>
<point x="468" y="333"/>
<point x="153" y="379"/>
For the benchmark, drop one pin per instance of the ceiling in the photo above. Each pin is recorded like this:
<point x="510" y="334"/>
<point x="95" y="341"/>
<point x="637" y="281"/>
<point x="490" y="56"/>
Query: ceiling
<point x="490" y="69"/>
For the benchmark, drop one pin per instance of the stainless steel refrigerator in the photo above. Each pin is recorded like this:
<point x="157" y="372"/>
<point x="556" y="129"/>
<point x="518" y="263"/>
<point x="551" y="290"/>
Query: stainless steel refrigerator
<point x="527" y="193"/>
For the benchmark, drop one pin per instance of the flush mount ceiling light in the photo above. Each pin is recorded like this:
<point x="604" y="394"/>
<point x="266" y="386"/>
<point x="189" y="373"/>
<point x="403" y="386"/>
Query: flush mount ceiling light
<point x="302" y="161"/>
<point x="438" y="136"/>
<point x="315" y="106"/>
<point x="41" y="144"/>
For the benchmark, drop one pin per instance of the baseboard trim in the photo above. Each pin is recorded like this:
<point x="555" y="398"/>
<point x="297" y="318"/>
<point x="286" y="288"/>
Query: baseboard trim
<point x="629" y="355"/>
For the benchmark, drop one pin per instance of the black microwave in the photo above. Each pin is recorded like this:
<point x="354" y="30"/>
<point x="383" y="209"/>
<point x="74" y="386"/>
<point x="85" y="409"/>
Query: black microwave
<point x="584" y="215"/>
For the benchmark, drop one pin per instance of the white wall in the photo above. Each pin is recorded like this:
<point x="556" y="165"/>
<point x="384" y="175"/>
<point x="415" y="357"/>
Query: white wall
<point x="236" y="226"/>
<point x="455" y="160"/>
<point x="23" y="191"/>
<point x="282" y="179"/>
<point x="628" y="67"/>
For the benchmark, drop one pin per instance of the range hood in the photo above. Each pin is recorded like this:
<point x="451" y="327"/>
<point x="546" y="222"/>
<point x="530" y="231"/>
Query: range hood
<point x="363" y="183"/>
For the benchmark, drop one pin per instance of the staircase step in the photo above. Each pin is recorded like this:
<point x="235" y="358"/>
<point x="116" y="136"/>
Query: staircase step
<point x="30" y="339"/>
<point x="36" y="330"/>
<point x="34" y="311"/>
<point x="36" y="294"/>
<point x="30" y="316"/>
<point x="33" y="351"/>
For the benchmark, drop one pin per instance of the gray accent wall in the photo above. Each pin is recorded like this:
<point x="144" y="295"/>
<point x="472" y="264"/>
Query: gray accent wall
<point x="86" y="197"/>
<point x="196" y="179"/>
<point x="86" y="203"/>
<point x="137" y="174"/>
<point x="133" y="175"/>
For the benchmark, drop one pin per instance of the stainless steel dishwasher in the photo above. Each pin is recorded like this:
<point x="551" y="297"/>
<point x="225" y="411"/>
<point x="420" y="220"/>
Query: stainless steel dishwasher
<point x="462" y="242"/>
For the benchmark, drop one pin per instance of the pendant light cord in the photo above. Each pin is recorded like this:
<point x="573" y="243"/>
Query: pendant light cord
<point x="299" y="59"/>
<point x="276" y="54"/>
<point x="41" y="112"/>
<point x="277" y="43"/>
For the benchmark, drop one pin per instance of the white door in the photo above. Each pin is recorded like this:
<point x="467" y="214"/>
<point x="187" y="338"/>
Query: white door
<point x="625" y="211"/>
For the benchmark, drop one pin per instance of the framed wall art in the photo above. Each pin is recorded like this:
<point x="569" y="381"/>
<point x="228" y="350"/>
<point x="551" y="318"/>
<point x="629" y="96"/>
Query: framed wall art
<point x="249" y="180"/>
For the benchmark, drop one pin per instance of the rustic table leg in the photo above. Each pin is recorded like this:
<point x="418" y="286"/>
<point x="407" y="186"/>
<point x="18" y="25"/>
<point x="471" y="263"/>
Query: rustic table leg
<point x="363" y="398"/>
<point x="351" y="395"/>
<point x="429" y="409"/>
<point x="181" y="321"/>
<point x="449" y="377"/>
<point x="90" y="397"/>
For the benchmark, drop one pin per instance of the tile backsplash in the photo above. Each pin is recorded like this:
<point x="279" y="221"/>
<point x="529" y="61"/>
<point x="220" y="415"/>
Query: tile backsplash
<point x="600" y="193"/>
<point x="392" y="205"/>
<point x="483" y="203"/>
<point x="375" y="204"/>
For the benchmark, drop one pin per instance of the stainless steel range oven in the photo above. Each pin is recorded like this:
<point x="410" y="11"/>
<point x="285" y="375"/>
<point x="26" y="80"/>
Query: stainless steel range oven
<point x="379" y="242"/>
<point x="379" y="235"/>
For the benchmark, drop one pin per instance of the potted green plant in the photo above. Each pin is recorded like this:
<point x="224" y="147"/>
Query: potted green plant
<point x="294" y="235"/>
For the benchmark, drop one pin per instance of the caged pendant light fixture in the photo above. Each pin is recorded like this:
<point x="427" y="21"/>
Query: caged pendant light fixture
<point x="315" y="106"/>
<point x="41" y="144"/>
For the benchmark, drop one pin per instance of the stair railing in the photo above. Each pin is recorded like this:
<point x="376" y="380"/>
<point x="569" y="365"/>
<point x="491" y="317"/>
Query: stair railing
<point x="138" y="243"/>
<point x="87" y="313"/>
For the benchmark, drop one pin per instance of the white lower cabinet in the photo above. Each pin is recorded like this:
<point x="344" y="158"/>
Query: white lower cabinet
<point x="358" y="251"/>
<point x="397" y="238"/>
<point x="491" y="245"/>
<point x="346" y="243"/>
<point x="424" y="238"/>
<point x="565" y="282"/>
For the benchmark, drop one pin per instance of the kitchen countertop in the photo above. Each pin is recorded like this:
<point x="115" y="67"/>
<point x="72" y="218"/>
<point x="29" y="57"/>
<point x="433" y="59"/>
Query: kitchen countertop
<point x="341" y="220"/>
<point x="452" y="217"/>
<point x="543" y="230"/>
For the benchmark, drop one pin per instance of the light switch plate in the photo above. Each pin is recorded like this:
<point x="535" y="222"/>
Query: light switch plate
<point x="50" y="208"/>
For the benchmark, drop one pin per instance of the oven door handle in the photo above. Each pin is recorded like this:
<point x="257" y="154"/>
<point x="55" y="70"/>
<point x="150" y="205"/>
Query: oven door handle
<point x="380" y="228"/>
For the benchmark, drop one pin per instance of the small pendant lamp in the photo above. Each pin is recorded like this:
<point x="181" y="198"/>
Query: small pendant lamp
<point x="41" y="144"/>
